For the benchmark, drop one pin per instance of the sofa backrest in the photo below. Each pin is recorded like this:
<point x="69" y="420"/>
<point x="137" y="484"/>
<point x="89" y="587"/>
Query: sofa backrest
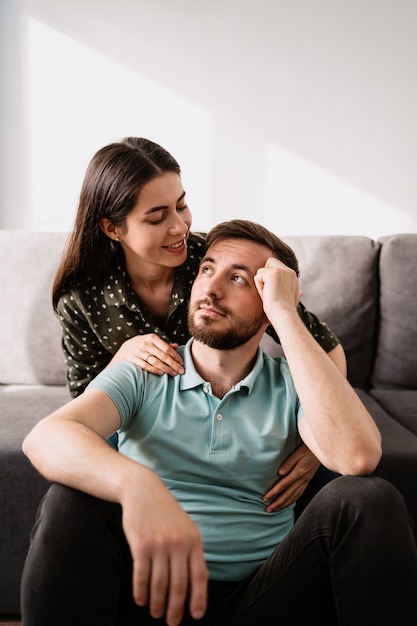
<point x="339" y="280"/>
<point x="396" y="357"/>
<point x="30" y="335"/>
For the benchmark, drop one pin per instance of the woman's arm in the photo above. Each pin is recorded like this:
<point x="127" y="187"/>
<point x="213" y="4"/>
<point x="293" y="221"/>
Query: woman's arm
<point x="95" y="334"/>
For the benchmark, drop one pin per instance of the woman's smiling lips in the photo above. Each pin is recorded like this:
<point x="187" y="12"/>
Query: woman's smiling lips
<point x="176" y="247"/>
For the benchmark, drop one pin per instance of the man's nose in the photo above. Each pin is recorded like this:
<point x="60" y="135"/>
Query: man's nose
<point x="215" y="288"/>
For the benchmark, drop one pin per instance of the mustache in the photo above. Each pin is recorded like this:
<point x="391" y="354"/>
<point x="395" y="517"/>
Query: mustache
<point x="210" y="302"/>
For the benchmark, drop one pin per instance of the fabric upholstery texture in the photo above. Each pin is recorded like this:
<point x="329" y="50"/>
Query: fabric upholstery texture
<point x="28" y="326"/>
<point x="395" y="364"/>
<point x="21" y="487"/>
<point x="339" y="280"/>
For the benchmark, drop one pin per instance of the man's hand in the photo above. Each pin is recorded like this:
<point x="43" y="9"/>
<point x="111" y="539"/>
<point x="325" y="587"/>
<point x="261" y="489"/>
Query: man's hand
<point x="296" y="472"/>
<point x="152" y="354"/>
<point x="278" y="286"/>
<point x="167" y="552"/>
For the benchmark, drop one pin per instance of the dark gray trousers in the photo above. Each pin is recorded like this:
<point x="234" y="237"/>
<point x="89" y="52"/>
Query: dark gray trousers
<point x="350" y="560"/>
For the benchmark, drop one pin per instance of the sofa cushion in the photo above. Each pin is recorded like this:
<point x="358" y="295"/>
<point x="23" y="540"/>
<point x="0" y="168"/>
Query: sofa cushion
<point x="339" y="283"/>
<point x="395" y="364"/>
<point x="21" y="486"/>
<point x="30" y="335"/>
<point x="398" y="464"/>
<point x="401" y="404"/>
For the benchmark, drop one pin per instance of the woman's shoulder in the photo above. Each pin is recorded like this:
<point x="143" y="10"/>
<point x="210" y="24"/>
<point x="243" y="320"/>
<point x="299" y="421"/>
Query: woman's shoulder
<point x="197" y="239"/>
<point x="87" y="288"/>
<point x="196" y="246"/>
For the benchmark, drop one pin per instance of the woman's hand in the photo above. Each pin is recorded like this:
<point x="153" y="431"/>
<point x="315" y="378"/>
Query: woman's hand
<point x="296" y="472"/>
<point x="152" y="354"/>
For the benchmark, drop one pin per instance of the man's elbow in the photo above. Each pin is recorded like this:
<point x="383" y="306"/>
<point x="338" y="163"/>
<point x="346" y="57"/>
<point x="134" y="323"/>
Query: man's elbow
<point x="32" y="442"/>
<point x="363" y="464"/>
<point x="27" y="445"/>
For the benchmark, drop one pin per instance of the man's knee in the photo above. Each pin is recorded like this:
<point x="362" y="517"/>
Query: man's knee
<point x="365" y="491"/>
<point x="67" y="511"/>
<point x="361" y="500"/>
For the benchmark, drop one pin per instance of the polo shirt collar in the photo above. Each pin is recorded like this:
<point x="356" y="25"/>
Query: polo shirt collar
<point x="191" y="378"/>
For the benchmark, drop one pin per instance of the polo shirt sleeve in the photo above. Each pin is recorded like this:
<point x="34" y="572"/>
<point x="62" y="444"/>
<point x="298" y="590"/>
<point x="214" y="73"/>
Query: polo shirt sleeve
<point x="299" y="412"/>
<point x="124" y="384"/>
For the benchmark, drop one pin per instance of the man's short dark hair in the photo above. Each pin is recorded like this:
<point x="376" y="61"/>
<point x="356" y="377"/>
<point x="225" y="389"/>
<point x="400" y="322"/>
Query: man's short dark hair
<point x="244" y="229"/>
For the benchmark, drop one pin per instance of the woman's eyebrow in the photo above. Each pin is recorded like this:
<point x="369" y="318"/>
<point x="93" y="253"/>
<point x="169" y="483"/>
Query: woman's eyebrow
<point x="154" y="209"/>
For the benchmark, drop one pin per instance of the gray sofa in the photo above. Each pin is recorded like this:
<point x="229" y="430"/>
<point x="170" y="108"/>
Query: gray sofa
<point x="366" y="290"/>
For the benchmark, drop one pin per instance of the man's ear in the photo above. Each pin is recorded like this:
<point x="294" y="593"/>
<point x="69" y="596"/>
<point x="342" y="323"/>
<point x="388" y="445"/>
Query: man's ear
<point x="109" y="229"/>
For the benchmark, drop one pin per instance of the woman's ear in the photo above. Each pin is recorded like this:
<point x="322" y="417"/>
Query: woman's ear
<point x="109" y="229"/>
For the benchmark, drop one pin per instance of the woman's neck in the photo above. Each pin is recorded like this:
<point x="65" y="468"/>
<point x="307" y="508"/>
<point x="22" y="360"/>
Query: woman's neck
<point x="153" y="284"/>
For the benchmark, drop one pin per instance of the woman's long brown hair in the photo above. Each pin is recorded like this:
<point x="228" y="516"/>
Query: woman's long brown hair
<point x="112" y="183"/>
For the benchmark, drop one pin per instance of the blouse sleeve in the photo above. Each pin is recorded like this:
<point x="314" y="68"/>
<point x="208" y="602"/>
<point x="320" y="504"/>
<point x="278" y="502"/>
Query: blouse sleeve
<point x="320" y="330"/>
<point x="84" y="354"/>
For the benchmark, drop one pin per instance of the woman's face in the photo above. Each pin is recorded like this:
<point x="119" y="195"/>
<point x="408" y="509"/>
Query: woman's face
<point x="156" y="229"/>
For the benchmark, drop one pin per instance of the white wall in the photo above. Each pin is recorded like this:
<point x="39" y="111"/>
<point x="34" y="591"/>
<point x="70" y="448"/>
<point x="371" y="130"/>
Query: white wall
<point x="298" y="114"/>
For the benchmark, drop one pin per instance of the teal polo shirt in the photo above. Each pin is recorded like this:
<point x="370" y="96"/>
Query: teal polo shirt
<point x="217" y="456"/>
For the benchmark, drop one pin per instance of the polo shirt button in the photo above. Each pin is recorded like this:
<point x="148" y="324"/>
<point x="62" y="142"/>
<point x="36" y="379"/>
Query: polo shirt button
<point x="205" y="389"/>
<point x="219" y="417"/>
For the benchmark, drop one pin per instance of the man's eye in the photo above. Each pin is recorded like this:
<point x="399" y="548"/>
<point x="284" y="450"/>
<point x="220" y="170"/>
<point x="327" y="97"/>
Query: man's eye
<point x="238" y="279"/>
<point x="205" y="269"/>
<point x="182" y="208"/>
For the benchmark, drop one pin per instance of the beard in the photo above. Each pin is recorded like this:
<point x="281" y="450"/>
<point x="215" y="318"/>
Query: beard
<point x="238" y="333"/>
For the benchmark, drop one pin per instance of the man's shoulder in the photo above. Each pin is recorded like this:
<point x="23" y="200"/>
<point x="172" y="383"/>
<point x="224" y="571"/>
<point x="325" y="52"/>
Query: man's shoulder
<point x="127" y="376"/>
<point x="116" y="374"/>
<point x="276" y="365"/>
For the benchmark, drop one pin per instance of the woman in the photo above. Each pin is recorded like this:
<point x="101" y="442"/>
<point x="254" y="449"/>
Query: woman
<point x="123" y="285"/>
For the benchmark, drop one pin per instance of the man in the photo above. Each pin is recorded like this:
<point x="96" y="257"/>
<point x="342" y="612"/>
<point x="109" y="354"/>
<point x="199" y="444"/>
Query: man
<point x="176" y="527"/>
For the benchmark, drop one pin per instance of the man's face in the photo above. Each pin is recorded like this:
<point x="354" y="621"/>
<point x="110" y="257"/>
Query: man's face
<point x="225" y="308"/>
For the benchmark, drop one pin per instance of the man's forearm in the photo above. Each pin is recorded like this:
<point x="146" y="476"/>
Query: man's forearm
<point x="336" y="425"/>
<point x="72" y="454"/>
<point x="338" y="357"/>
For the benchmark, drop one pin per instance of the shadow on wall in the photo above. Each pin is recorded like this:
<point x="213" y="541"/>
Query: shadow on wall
<point x="328" y="82"/>
<point x="300" y="115"/>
